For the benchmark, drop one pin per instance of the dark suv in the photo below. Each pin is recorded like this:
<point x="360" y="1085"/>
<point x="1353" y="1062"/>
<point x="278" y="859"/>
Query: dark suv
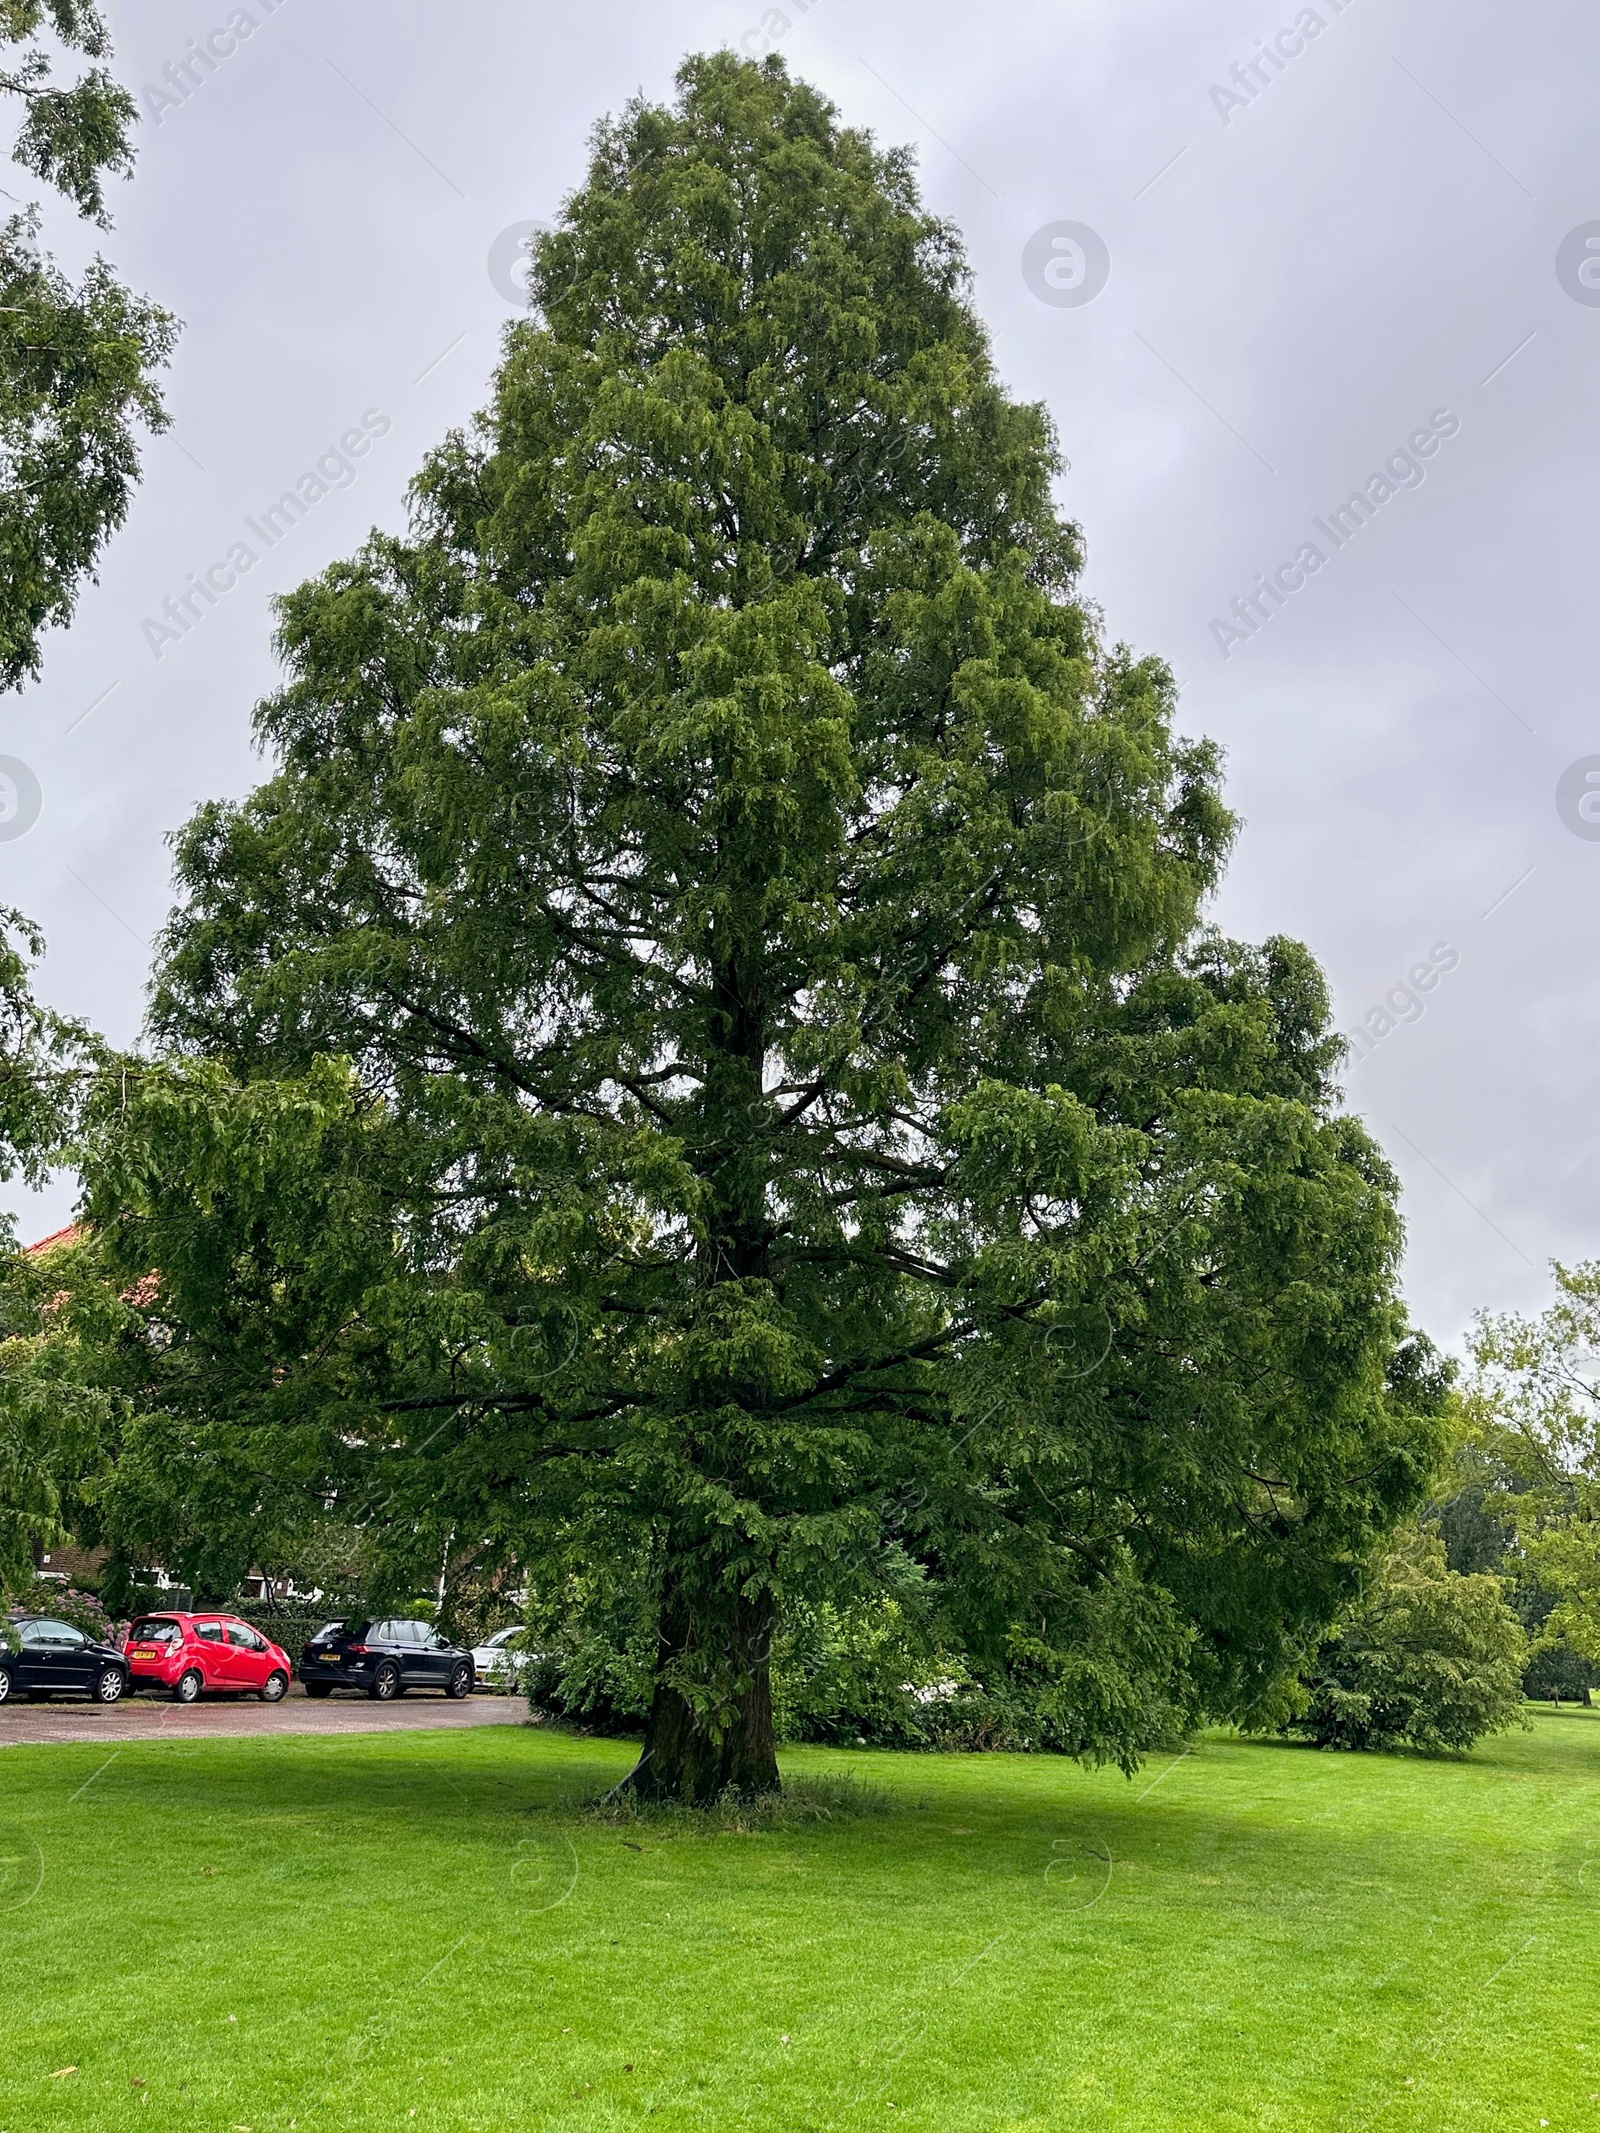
<point x="41" y="1657"/>
<point x="384" y="1658"/>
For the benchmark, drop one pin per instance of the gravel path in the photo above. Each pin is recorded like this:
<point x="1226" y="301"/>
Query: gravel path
<point x="33" y="1725"/>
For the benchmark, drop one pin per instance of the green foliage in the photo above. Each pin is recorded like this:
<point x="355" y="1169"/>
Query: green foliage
<point x="702" y="1068"/>
<point x="72" y="133"/>
<point x="863" y="1673"/>
<point x="76" y="361"/>
<point x="1536" y="1399"/>
<point x="1432" y="1660"/>
<point x="55" y="1411"/>
<point x="75" y="380"/>
<point x="43" y="1056"/>
<point x="1476" y="1515"/>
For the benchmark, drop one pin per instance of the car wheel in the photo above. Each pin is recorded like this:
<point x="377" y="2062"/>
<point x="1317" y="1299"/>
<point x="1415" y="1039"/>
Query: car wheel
<point x="460" y="1683"/>
<point x="276" y="1686"/>
<point x="5" y="1686"/>
<point x="188" y="1688"/>
<point x="109" y="1687"/>
<point x="385" y="1684"/>
<point x="319" y="1688"/>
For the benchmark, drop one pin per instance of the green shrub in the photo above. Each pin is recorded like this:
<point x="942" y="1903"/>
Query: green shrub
<point x="875" y="1673"/>
<point x="1432" y="1660"/>
<point x="292" y="1628"/>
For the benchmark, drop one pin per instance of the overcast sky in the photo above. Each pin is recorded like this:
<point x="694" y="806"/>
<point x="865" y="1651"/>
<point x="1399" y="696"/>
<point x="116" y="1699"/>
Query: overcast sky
<point x="1329" y="232"/>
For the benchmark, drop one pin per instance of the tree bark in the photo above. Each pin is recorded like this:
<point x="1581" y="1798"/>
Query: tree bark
<point x="686" y="1758"/>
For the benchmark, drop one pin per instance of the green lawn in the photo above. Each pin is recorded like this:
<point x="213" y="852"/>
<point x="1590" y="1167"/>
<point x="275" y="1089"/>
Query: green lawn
<point x="427" y="1930"/>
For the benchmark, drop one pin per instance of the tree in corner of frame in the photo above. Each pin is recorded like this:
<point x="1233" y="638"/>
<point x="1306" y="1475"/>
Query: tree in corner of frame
<point x="702" y="1069"/>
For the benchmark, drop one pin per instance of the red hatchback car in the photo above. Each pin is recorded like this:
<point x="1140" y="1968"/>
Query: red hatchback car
<point x="189" y="1654"/>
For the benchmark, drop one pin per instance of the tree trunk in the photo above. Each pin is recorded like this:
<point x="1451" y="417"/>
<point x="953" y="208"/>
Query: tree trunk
<point x="689" y="1760"/>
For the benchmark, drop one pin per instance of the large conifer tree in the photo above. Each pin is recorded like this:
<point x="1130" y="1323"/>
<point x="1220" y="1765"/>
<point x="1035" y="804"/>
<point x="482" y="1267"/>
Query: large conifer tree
<point x="792" y="1118"/>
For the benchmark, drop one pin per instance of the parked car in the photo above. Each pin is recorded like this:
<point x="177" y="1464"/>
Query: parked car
<point x="40" y="1657"/>
<point x="384" y="1658"/>
<point x="499" y="1660"/>
<point x="190" y="1654"/>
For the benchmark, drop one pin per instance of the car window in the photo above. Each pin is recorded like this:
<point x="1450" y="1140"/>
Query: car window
<point x="411" y="1632"/>
<point x="52" y="1636"/>
<point x="503" y="1637"/>
<point x="241" y="1635"/>
<point x="378" y="1633"/>
<point x="156" y="1629"/>
<point x="209" y="1632"/>
<point x="329" y="1629"/>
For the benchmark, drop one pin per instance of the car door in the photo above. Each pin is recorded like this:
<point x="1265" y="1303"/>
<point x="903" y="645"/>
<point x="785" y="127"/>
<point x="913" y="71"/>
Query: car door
<point x="61" y="1656"/>
<point x="247" y="1662"/>
<point x="79" y="1661"/>
<point x="407" y="1649"/>
<point x="436" y="1657"/>
<point x="35" y="1655"/>
<point x="211" y="1649"/>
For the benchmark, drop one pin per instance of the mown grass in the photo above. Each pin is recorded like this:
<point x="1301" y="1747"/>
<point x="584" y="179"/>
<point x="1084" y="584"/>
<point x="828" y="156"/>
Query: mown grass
<point x="440" y="1931"/>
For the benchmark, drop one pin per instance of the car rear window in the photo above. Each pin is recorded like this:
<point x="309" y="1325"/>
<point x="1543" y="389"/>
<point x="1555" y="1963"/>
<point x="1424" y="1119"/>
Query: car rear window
<point x="332" y="1631"/>
<point x="156" y="1629"/>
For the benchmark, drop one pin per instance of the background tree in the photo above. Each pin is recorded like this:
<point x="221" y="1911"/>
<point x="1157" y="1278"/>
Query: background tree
<point x="54" y="1408"/>
<point x="76" y="366"/>
<point x="1431" y="1659"/>
<point x="76" y="361"/>
<point x="1535" y="1397"/>
<point x="703" y="1061"/>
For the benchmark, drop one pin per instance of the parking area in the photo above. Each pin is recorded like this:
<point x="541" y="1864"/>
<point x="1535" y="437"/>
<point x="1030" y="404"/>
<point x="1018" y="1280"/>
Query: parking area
<point x="32" y="1725"/>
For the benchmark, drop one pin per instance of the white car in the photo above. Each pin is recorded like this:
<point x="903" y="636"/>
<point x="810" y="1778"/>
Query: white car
<point x="498" y="1662"/>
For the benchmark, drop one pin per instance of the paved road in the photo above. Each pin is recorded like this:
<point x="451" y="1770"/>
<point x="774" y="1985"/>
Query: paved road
<point x="32" y="1725"/>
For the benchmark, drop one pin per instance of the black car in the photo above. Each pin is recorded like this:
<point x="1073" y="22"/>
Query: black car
<point x="384" y="1658"/>
<point x="40" y="1657"/>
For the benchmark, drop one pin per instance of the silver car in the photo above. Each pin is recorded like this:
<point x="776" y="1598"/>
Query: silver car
<point x="499" y="1660"/>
